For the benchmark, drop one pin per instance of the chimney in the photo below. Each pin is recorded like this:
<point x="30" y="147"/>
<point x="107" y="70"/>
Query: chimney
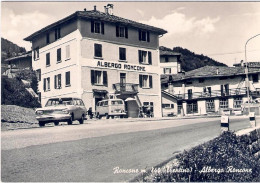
<point x="85" y="9"/>
<point x="106" y="9"/>
<point x="110" y="9"/>
<point x="95" y="8"/>
<point x="217" y="71"/>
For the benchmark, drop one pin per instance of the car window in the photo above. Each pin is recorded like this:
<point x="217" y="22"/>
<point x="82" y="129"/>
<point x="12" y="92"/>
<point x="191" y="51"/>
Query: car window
<point x="106" y="103"/>
<point x="101" y="103"/>
<point x="116" y="102"/>
<point x="81" y="103"/>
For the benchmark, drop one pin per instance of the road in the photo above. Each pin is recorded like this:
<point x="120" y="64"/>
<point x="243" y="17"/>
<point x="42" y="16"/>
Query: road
<point x="92" y="151"/>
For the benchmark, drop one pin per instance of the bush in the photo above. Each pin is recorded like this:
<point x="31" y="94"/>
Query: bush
<point x="221" y="154"/>
<point x="28" y="75"/>
<point x="14" y="93"/>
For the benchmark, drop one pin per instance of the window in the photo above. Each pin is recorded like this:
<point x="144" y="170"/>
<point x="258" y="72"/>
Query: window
<point x="168" y="106"/>
<point x="122" y="54"/>
<point x="148" y="105"/>
<point x="223" y="103"/>
<point x="145" y="81"/>
<point x="57" y="34"/>
<point x="59" y="55"/>
<point x="192" y="107"/>
<point x="46" y="84"/>
<point x="48" y="61"/>
<point x="255" y="78"/>
<point x="145" y="57"/>
<point x="237" y="102"/>
<point x="121" y="31"/>
<point x="97" y="27"/>
<point x="38" y="74"/>
<point x="144" y="35"/>
<point x="189" y="93"/>
<point x="167" y="70"/>
<point x="166" y="59"/>
<point x="210" y="105"/>
<point x="36" y="54"/>
<point x="224" y="90"/>
<point x="98" y="50"/>
<point x="67" y="52"/>
<point x="67" y="78"/>
<point x="98" y="77"/>
<point x="47" y="38"/>
<point x="179" y="105"/>
<point x="57" y="81"/>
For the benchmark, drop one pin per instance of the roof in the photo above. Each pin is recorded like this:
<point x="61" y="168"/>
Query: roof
<point x="210" y="71"/>
<point x="25" y="55"/>
<point x="169" y="53"/>
<point x="95" y="14"/>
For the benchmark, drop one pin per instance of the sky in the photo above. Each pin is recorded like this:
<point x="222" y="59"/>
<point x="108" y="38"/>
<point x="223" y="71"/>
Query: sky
<point x="219" y="30"/>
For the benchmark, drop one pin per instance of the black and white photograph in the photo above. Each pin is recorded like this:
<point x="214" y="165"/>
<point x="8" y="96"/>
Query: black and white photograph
<point x="130" y="91"/>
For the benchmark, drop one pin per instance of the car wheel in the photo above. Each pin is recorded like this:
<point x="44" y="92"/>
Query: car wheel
<point x="71" y="119"/>
<point x="81" y="121"/>
<point x="56" y="123"/>
<point x="41" y="123"/>
<point x="112" y="117"/>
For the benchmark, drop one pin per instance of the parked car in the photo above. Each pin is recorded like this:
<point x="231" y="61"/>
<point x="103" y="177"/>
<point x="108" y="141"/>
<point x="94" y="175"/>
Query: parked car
<point x="61" y="109"/>
<point x="110" y="108"/>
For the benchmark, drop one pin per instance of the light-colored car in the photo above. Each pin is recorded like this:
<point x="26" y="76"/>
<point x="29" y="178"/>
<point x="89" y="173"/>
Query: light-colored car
<point x="110" y="108"/>
<point x="61" y="109"/>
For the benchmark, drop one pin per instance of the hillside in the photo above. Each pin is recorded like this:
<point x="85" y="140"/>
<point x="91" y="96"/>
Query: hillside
<point x="10" y="49"/>
<point x="191" y="60"/>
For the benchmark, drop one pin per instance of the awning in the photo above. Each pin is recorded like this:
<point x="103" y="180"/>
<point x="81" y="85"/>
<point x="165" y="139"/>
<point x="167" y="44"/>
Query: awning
<point x="100" y="91"/>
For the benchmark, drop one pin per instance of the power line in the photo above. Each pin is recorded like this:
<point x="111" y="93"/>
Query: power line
<point x="232" y="53"/>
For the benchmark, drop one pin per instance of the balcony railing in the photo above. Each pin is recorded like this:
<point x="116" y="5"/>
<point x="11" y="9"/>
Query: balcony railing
<point x="213" y="93"/>
<point x="126" y="88"/>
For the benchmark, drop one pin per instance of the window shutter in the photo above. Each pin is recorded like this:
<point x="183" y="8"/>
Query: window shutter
<point x="150" y="81"/>
<point x="44" y="84"/>
<point x="34" y="55"/>
<point x="140" y="35"/>
<point x="140" y="56"/>
<point x="164" y="70"/>
<point x="92" y="77"/>
<point x="141" y="81"/>
<point x="55" y="81"/>
<point x="102" y="28"/>
<point x="126" y="32"/>
<point x="148" y="36"/>
<point x="149" y="57"/>
<point x="101" y="50"/>
<point x="105" y="78"/>
<point x="92" y="26"/>
<point x="59" y="33"/>
<point x="117" y="31"/>
<point x="40" y="74"/>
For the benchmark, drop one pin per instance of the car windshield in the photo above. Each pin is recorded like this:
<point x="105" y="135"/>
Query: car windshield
<point x="59" y="101"/>
<point x="116" y="102"/>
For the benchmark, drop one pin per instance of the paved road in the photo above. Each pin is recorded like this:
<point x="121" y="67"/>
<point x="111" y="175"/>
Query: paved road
<point x="90" y="152"/>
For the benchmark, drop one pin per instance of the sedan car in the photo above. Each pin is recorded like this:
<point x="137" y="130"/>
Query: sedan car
<point x="61" y="109"/>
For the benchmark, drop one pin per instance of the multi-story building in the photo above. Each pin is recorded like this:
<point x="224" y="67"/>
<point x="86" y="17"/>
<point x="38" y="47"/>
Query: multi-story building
<point x="170" y="62"/>
<point x="95" y="55"/>
<point x="208" y="89"/>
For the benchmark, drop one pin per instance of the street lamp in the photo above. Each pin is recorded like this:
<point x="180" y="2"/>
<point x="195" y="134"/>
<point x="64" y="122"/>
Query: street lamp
<point x="246" y="70"/>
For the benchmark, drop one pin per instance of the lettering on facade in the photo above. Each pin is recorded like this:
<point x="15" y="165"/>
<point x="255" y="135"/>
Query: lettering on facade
<point x="120" y="66"/>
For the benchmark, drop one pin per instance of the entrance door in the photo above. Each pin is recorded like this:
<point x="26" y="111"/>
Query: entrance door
<point x="122" y="81"/>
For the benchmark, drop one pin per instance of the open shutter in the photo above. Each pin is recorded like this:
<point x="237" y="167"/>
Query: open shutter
<point x="140" y="35"/>
<point x="140" y="56"/>
<point x="105" y="78"/>
<point x="102" y="28"/>
<point x="150" y="81"/>
<point x="149" y="57"/>
<point x="55" y="81"/>
<point x="126" y="32"/>
<point x="44" y="84"/>
<point x="92" y="76"/>
<point x="148" y="36"/>
<point x="92" y="25"/>
<point x="117" y="31"/>
<point x="140" y="81"/>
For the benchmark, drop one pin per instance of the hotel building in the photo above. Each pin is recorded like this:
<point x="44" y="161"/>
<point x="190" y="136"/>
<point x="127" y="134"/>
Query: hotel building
<point x="95" y="55"/>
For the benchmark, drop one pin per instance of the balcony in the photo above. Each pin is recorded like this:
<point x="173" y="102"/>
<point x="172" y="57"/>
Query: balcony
<point x="212" y="94"/>
<point x="126" y="88"/>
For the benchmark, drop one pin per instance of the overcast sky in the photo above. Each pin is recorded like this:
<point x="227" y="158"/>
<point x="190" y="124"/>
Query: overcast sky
<point x="216" y="29"/>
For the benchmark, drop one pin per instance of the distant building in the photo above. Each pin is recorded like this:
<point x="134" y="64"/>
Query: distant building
<point x="170" y="62"/>
<point x="209" y="89"/>
<point x="95" y="55"/>
<point x="17" y="63"/>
